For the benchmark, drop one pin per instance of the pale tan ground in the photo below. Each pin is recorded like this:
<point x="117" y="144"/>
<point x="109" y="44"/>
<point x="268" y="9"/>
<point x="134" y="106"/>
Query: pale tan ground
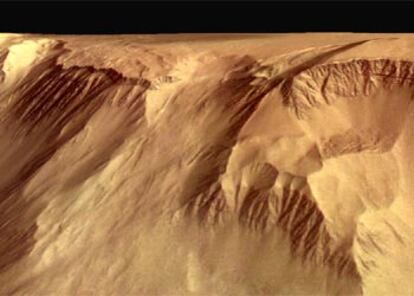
<point x="219" y="164"/>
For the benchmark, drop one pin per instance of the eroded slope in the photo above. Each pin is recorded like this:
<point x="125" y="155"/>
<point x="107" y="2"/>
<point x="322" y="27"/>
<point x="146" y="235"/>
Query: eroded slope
<point x="217" y="173"/>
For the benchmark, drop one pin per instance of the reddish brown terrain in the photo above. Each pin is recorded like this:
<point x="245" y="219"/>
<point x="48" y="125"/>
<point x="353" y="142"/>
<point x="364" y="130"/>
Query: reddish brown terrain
<point x="210" y="164"/>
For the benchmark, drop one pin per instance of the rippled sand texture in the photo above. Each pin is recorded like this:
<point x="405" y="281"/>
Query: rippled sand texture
<point x="207" y="164"/>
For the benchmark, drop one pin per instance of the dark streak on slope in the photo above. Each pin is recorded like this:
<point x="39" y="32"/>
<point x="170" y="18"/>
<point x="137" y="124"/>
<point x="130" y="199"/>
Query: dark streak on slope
<point x="44" y="104"/>
<point x="241" y="97"/>
<point x="254" y="212"/>
<point x="60" y="94"/>
<point x="286" y="77"/>
<point x="81" y="93"/>
<point x="3" y="56"/>
<point x="236" y="100"/>
<point x="347" y="79"/>
<point x="373" y="241"/>
<point x="298" y="216"/>
<point x="52" y="97"/>
<point x="294" y="212"/>
<point x="208" y="206"/>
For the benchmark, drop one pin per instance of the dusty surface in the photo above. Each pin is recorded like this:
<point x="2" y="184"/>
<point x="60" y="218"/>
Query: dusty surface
<point x="207" y="164"/>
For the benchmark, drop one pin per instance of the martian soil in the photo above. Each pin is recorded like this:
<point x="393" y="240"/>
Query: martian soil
<point x="207" y="164"/>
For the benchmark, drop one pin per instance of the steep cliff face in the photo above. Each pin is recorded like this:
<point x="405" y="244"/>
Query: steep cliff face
<point x="140" y="166"/>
